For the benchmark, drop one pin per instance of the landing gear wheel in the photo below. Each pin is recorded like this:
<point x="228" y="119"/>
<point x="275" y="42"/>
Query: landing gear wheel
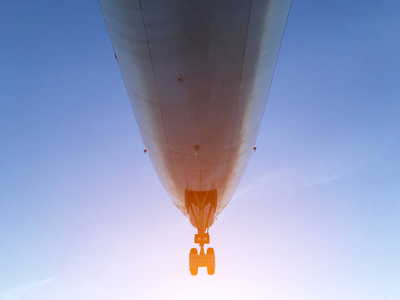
<point x="210" y="261"/>
<point x="193" y="264"/>
<point x="194" y="271"/>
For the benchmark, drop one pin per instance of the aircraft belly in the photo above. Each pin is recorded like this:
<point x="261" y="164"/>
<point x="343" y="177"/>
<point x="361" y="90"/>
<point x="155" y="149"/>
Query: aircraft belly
<point x="197" y="74"/>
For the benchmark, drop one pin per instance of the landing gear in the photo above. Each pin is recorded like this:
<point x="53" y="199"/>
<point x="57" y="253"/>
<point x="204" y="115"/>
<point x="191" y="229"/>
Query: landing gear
<point x="201" y="207"/>
<point x="202" y="259"/>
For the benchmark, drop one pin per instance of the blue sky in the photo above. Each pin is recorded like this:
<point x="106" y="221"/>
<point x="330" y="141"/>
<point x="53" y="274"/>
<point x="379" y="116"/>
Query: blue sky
<point x="83" y="215"/>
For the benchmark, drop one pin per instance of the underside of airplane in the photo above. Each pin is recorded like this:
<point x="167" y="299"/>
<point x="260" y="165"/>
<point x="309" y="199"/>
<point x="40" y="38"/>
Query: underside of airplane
<point x="198" y="74"/>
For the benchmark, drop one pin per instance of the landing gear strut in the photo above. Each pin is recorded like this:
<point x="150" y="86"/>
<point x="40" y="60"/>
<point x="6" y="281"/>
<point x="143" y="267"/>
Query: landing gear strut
<point x="202" y="259"/>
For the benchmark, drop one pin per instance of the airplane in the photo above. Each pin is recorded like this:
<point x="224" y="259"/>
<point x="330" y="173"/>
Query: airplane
<point x="198" y="74"/>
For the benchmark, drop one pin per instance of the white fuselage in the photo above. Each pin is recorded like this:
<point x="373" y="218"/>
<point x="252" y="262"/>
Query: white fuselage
<point x="198" y="73"/>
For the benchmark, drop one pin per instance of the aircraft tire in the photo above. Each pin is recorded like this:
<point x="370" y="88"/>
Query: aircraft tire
<point x="194" y="271"/>
<point x="210" y="271"/>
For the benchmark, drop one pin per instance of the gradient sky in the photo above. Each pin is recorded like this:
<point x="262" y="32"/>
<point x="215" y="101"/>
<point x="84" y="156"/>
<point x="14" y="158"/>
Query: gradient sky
<point x="317" y="214"/>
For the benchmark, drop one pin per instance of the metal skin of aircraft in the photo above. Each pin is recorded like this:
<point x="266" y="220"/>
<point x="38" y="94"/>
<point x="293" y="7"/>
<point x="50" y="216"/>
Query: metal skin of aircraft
<point x="198" y="74"/>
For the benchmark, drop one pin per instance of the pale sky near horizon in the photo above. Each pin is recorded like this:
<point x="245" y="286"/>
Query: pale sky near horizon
<point x="316" y="216"/>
